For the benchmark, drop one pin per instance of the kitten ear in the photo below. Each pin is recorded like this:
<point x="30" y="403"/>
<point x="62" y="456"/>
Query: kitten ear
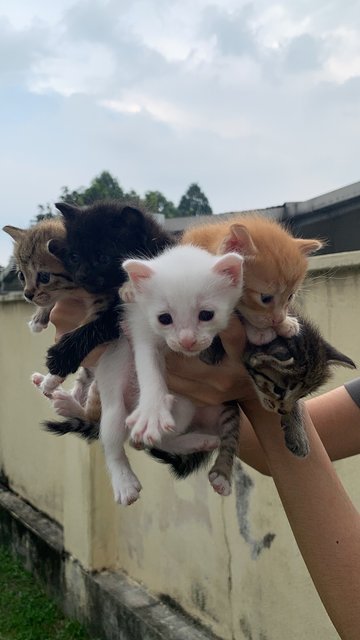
<point x="132" y="212"/>
<point x="68" y="210"/>
<point x="138" y="272"/>
<point x="308" y="246"/>
<point x="14" y="232"/>
<point x="56" y="247"/>
<point x="129" y="215"/>
<point x="238" y="239"/>
<point x="231" y="264"/>
<point x="336" y="357"/>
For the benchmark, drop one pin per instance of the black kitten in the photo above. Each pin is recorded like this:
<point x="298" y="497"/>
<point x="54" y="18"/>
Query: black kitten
<point x="99" y="238"/>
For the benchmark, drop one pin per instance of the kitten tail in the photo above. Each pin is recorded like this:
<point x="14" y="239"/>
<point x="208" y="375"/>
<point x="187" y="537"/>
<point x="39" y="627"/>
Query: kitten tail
<point x="87" y="430"/>
<point x="181" y="466"/>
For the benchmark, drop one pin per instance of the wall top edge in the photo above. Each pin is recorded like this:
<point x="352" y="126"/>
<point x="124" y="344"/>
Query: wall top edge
<point x="347" y="259"/>
<point x="343" y="260"/>
<point x="12" y="296"/>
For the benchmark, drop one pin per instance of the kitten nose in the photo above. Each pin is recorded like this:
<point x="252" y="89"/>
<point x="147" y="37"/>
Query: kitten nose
<point x="187" y="339"/>
<point x="278" y="319"/>
<point x="28" y="294"/>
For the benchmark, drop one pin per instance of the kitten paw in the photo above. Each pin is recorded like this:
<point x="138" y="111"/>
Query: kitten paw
<point x="126" y="292"/>
<point x="299" y="445"/>
<point x="46" y="384"/>
<point x="37" y="378"/>
<point x="260" y="336"/>
<point x="65" y="404"/>
<point x="148" y="424"/>
<point x="35" y="326"/>
<point x="126" y="487"/>
<point x="290" y="327"/>
<point x="63" y="357"/>
<point x="219" y="483"/>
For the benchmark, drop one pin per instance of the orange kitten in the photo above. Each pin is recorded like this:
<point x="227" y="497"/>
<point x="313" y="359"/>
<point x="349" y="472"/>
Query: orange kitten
<point x="274" y="269"/>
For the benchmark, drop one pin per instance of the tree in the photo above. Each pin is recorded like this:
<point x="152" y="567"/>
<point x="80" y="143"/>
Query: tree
<point x="156" y="202"/>
<point x="105" y="186"/>
<point x="194" y="202"/>
<point x="45" y="212"/>
<point x="102" y="187"/>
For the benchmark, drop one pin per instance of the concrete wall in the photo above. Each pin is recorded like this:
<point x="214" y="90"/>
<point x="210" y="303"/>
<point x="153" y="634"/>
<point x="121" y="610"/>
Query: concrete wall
<point x="231" y="562"/>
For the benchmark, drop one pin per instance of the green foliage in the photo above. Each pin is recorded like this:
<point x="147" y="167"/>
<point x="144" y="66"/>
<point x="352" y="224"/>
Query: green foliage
<point x="156" y="202"/>
<point x="45" y="212"/>
<point x="26" y="613"/>
<point x="105" y="186"/>
<point x="194" y="202"/>
<point x="101" y="187"/>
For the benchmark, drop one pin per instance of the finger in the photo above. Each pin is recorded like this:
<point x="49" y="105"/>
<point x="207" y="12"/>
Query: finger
<point x="200" y="394"/>
<point x="189" y="368"/>
<point x="233" y="339"/>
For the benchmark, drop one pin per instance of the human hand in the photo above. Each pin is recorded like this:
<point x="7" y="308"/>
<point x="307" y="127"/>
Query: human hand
<point x="213" y="384"/>
<point x="68" y="314"/>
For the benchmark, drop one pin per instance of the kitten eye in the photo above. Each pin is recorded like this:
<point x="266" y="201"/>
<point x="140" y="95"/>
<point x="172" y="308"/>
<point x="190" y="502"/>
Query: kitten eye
<point x="165" y="318"/>
<point x="206" y="316"/>
<point x="266" y="298"/>
<point x="74" y="258"/>
<point x="277" y="390"/>
<point x="43" y="277"/>
<point x="21" y="276"/>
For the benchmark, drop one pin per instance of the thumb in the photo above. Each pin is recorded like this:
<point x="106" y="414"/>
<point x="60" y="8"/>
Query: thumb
<point x="234" y="339"/>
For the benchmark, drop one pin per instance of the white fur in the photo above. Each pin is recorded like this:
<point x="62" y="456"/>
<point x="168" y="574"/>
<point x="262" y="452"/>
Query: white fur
<point x="36" y="327"/>
<point x="182" y="282"/>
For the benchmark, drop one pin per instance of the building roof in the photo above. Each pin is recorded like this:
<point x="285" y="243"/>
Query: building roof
<point x="327" y="205"/>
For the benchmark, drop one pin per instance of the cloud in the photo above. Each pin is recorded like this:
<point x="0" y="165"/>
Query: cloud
<point x="232" y="30"/>
<point x="303" y="53"/>
<point x="19" y="49"/>
<point x="257" y="101"/>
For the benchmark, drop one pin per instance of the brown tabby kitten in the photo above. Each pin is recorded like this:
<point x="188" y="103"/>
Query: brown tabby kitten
<point x="43" y="276"/>
<point x="274" y="269"/>
<point x="289" y="369"/>
<point x="46" y="281"/>
<point x="283" y="371"/>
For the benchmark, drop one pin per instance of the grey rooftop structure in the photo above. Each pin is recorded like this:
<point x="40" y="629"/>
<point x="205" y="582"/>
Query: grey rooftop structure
<point x="333" y="217"/>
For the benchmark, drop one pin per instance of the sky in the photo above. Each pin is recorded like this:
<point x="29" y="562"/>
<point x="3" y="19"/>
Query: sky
<point x="258" y="102"/>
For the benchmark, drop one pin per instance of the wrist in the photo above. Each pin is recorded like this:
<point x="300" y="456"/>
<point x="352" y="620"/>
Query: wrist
<point x="266" y="424"/>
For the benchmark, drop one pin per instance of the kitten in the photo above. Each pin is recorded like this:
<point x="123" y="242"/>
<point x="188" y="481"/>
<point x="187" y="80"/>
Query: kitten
<point x="283" y="372"/>
<point x="45" y="282"/>
<point x="274" y="269"/>
<point x="287" y="370"/>
<point x="98" y="238"/>
<point x="182" y="299"/>
<point x="42" y="275"/>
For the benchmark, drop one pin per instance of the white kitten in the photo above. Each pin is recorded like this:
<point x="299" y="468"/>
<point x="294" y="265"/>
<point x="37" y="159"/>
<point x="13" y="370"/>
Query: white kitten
<point x="182" y="299"/>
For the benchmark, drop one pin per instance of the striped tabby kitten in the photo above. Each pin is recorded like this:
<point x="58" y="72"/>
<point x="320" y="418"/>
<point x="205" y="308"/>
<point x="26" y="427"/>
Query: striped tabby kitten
<point x="283" y="372"/>
<point x="46" y="281"/>
<point x="42" y="275"/>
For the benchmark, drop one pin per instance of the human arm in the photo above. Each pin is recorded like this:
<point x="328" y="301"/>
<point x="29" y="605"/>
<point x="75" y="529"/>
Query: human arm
<point x="333" y="413"/>
<point x="324" y="521"/>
